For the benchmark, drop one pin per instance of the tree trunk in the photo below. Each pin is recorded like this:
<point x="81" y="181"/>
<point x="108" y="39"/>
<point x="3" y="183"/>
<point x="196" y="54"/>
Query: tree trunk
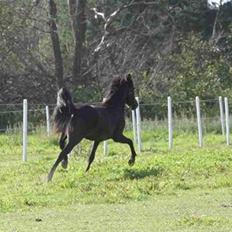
<point x="77" y="13"/>
<point x="59" y="72"/>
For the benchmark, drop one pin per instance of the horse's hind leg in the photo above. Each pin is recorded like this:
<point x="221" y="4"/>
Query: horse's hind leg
<point x="63" y="154"/>
<point x="63" y="137"/>
<point x="92" y="154"/>
<point x="122" y="139"/>
<point x="64" y="162"/>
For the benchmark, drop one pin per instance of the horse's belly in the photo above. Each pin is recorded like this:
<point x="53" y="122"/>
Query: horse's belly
<point x="100" y="134"/>
<point x="105" y="127"/>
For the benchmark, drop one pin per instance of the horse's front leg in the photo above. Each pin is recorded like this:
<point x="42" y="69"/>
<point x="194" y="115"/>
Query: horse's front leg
<point x="123" y="139"/>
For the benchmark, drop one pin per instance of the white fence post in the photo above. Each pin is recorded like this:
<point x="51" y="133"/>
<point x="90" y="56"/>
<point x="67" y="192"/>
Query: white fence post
<point x="138" y="124"/>
<point x="48" y="120"/>
<point x="222" y="115"/>
<point x="170" y="126"/>
<point x="134" y="125"/>
<point x="105" y="145"/>
<point x="227" y="121"/>
<point x="199" y="125"/>
<point x="25" y="112"/>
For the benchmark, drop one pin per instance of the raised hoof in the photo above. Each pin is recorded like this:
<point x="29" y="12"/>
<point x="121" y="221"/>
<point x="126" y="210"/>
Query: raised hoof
<point x="49" y="179"/>
<point x="87" y="169"/>
<point x="64" y="164"/>
<point x="131" y="162"/>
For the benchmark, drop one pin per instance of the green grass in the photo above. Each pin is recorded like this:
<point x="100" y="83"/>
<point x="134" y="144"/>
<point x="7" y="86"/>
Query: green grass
<point x="186" y="189"/>
<point x="205" y="211"/>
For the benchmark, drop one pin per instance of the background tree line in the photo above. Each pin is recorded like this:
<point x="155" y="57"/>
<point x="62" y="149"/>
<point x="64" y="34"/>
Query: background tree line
<point x="172" y="47"/>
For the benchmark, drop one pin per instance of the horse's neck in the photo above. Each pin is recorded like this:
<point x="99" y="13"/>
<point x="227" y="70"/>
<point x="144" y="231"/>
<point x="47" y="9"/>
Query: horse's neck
<point x="116" y="101"/>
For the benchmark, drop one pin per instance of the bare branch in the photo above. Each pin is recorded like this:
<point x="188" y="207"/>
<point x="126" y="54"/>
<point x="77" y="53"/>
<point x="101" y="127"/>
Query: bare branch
<point x="113" y="15"/>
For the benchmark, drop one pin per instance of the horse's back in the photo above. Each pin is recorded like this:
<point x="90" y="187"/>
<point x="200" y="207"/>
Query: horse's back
<point x="85" y="117"/>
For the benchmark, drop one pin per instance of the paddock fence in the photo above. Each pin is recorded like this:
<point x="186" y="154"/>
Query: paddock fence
<point x="169" y="117"/>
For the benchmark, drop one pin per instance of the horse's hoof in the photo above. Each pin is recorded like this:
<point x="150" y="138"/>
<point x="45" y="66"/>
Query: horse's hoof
<point x="64" y="164"/>
<point x="49" y="179"/>
<point x="131" y="162"/>
<point x="87" y="169"/>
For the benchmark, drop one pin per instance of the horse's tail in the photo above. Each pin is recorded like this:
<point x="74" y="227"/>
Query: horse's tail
<point x="63" y="111"/>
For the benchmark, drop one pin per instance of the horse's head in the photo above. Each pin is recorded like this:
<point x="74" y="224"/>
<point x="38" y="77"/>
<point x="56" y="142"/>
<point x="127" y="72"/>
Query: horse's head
<point x="130" y="95"/>
<point x="121" y="92"/>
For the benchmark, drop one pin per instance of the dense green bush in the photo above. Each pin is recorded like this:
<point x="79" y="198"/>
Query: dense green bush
<point x="197" y="69"/>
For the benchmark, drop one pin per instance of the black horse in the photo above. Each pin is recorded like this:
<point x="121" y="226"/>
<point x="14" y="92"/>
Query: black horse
<point x="96" y="123"/>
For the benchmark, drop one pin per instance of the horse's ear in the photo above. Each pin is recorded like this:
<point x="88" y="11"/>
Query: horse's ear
<point x="129" y="77"/>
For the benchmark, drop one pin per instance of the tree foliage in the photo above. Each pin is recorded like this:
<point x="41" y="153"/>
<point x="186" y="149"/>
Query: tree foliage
<point x="178" y="48"/>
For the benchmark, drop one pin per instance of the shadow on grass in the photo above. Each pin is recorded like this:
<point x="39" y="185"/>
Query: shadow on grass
<point x="143" y="173"/>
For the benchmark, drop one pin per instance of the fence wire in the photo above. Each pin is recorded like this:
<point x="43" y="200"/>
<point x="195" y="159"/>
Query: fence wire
<point x="153" y="116"/>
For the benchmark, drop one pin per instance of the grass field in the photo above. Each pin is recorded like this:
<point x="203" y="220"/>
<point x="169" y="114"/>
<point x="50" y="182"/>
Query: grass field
<point x="186" y="189"/>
